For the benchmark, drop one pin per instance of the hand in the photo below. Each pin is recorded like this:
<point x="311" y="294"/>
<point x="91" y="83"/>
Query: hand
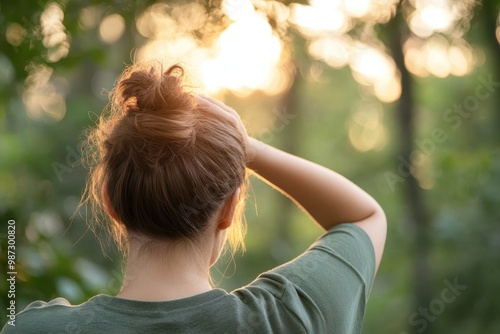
<point x="232" y="115"/>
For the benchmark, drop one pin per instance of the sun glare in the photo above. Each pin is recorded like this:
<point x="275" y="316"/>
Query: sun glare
<point x="246" y="56"/>
<point x="246" y="53"/>
<point x="326" y="24"/>
<point x="311" y="20"/>
<point x="357" y="8"/>
<point x="436" y="48"/>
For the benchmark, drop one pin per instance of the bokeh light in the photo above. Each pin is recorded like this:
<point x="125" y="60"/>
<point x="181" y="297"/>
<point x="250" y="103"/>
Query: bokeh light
<point x="438" y="56"/>
<point x="246" y="56"/>
<point x="497" y="30"/>
<point x="15" y="34"/>
<point x="358" y="8"/>
<point x="365" y="128"/>
<point x="326" y="23"/>
<point x="44" y="95"/>
<point x="319" y="18"/>
<point x="89" y="17"/>
<point x="335" y="51"/>
<point x="429" y="17"/>
<point x="436" y="48"/>
<point x="242" y="53"/>
<point x="111" y="28"/>
<point x="55" y="36"/>
<point x="374" y="68"/>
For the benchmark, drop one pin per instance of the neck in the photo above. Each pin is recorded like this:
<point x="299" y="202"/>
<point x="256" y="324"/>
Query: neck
<point x="152" y="276"/>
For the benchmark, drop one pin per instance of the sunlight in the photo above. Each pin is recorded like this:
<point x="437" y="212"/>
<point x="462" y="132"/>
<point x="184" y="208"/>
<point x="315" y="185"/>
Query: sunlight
<point x="338" y="15"/>
<point x="431" y="18"/>
<point x="15" y="34"/>
<point x="357" y="8"/>
<point x="182" y="49"/>
<point x="365" y="128"/>
<point x="246" y="56"/>
<point x="43" y="97"/>
<point x="423" y="171"/>
<point x="371" y="63"/>
<point x="190" y="16"/>
<point x="155" y="23"/>
<point x="55" y="38"/>
<point x="111" y="28"/>
<point x="436" y="52"/>
<point x="438" y="56"/>
<point x="237" y="9"/>
<point x="319" y="17"/>
<point x="437" y="18"/>
<point x="458" y="61"/>
<point x="326" y="23"/>
<point x="497" y="30"/>
<point x="334" y="51"/>
<point x="372" y="67"/>
<point x="388" y="89"/>
<point x="89" y="17"/>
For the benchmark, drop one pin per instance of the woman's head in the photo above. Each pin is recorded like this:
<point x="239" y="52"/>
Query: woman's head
<point x="164" y="163"/>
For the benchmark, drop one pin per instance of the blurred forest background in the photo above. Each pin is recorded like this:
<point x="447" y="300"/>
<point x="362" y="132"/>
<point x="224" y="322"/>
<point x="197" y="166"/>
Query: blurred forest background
<point x="400" y="96"/>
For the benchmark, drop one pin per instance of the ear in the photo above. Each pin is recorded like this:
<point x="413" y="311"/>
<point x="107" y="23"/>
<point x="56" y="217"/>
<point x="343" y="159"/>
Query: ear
<point x="227" y="211"/>
<point x="107" y="203"/>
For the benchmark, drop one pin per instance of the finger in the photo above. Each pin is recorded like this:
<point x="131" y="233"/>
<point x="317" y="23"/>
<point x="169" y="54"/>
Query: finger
<point x="219" y="104"/>
<point x="210" y="105"/>
<point x="220" y="107"/>
<point x="216" y="109"/>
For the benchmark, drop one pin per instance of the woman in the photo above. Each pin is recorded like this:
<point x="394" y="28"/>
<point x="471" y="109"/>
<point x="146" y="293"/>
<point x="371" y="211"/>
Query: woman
<point x="170" y="173"/>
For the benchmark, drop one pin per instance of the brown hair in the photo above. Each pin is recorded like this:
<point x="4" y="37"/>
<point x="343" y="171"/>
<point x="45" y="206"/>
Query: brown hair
<point x="161" y="163"/>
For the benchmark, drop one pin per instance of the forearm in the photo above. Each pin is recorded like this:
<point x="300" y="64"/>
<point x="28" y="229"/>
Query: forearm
<point x="328" y="197"/>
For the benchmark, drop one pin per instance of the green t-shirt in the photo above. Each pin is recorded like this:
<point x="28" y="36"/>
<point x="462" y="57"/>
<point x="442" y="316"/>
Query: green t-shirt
<point x="324" y="290"/>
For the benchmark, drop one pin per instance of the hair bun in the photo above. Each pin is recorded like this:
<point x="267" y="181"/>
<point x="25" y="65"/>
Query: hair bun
<point x="152" y="91"/>
<point x="158" y="154"/>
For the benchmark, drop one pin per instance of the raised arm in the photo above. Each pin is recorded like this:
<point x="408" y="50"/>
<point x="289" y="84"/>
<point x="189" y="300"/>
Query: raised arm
<point x="328" y="197"/>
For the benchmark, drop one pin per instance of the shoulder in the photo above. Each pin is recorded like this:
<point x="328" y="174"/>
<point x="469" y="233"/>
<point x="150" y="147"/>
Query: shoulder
<point x="39" y="304"/>
<point x="33" y="318"/>
<point x="352" y="245"/>
<point x="343" y="251"/>
<point x="329" y="281"/>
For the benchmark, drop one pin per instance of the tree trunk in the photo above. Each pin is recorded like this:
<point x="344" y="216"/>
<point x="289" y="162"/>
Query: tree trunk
<point x="491" y="11"/>
<point x="416" y="210"/>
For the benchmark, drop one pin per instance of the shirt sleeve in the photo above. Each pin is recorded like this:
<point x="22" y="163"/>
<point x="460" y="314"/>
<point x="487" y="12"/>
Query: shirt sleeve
<point x="327" y="287"/>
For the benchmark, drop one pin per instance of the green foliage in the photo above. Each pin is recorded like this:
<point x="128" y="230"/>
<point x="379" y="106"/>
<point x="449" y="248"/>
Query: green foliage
<point x="41" y="180"/>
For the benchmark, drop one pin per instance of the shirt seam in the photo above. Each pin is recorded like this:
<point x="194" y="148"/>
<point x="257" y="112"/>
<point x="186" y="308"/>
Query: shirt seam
<point x="331" y="252"/>
<point x="115" y="307"/>
<point x="290" y="312"/>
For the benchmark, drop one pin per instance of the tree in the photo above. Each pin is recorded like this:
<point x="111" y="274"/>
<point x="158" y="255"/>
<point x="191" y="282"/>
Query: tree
<point x="57" y="56"/>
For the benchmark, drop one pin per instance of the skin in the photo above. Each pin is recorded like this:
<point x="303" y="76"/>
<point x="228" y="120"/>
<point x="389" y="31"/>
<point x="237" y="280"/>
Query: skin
<point x="326" y="196"/>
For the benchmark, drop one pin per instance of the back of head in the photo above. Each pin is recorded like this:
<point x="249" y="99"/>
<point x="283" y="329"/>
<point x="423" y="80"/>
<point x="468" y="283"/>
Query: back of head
<point x="163" y="164"/>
